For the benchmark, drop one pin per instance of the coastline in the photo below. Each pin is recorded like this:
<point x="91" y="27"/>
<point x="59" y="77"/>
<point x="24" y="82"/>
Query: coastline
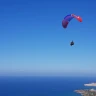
<point x="86" y="92"/>
<point x="90" y="84"/>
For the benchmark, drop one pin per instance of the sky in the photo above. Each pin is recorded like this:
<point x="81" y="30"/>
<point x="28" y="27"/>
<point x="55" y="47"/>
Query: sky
<point x="33" y="41"/>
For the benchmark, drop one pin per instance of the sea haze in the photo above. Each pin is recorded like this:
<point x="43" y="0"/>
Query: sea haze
<point x="42" y="86"/>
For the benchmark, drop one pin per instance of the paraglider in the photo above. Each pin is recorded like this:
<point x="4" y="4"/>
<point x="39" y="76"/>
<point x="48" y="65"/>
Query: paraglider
<point x="71" y="43"/>
<point x="67" y="19"/>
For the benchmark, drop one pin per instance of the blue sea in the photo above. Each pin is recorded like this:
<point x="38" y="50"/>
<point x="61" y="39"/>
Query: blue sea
<point x="42" y="86"/>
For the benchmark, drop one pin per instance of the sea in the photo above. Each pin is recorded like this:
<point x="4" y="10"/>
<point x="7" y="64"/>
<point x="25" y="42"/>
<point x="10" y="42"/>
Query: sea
<point x="42" y="85"/>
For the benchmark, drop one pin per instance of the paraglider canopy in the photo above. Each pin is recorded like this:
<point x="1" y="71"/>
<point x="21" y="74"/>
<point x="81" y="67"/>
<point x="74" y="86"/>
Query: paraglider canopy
<point x="68" y="18"/>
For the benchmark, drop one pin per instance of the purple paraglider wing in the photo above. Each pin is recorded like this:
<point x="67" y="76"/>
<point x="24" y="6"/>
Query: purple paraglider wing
<point x="66" y="20"/>
<point x="64" y="23"/>
<point x="69" y="17"/>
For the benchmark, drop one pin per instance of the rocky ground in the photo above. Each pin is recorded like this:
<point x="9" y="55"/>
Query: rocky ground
<point x="87" y="92"/>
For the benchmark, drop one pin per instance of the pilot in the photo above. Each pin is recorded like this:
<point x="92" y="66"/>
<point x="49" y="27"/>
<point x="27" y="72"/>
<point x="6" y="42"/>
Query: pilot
<point x="71" y="43"/>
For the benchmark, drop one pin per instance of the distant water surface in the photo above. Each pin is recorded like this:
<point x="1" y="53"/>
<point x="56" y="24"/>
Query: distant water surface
<point x="42" y="86"/>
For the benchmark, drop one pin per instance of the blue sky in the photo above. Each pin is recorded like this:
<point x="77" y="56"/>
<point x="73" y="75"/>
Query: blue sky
<point x="33" y="41"/>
